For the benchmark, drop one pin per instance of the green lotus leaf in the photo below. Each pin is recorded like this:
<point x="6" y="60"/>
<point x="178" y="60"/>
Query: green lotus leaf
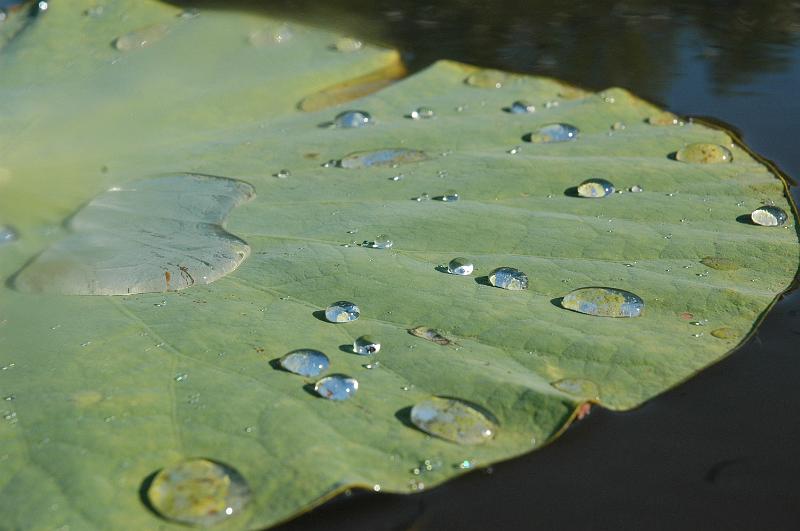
<point x="102" y="392"/>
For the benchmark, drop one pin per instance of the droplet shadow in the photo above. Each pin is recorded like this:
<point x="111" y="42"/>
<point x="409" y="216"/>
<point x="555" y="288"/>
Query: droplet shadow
<point x="309" y="388"/>
<point x="347" y="348"/>
<point x="483" y="281"/>
<point x="320" y="316"/>
<point x="527" y="137"/>
<point x="571" y="192"/>
<point x="442" y="269"/>
<point x="557" y="302"/>
<point x="276" y="364"/>
<point x="673" y="156"/>
<point x="145" y="486"/>
<point x="404" y="416"/>
<point x="746" y="220"/>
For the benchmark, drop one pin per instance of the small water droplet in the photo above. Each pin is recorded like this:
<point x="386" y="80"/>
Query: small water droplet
<point x="635" y="189"/>
<point x="603" y="302"/>
<point x="305" y="362"/>
<point x="552" y="133"/>
<point x="521" y="107"/>
<point x="9" y="398"/>
<point x="396" y="177"/>
<point x="460" y="266"/>
<point x="508" y="278"/>
<point x="342" y="312"/>
<point x="8" y="234"/>
<point x="336" y="387"/>
<point x="579" y="387"/>
<point x="449" y="196"/>
<point x="702" y="153"/>
<point x="366" y="345"/>
<point x="381" y="157"/>
<point x="10" y="417"/>
<point x="282" y="174"/>
<point x="182" y="377"/>
<point x="550" y="104"/>
<point x="86" y="343"/>
<point x="664" y="118"/>
<point x="618" y="126"/>
<point x="141" y="38"/>
<point x="593" y="188"/>
<point x="698" y="334"/>
<point x="769" y="216"/>
<point x="422" y="197"/>
<point x="352" y="119"/>
<point x="347" y="44"/>
<point x="452" y="420"/>
<point x="381" y="241"/>
<point x="514" y="150"/>
<point x="422" y="113"/>
<point x="198" y="492"/>
<point x="466" y="464"/>
<point x="461" y="108"/>
<point x="429" y="334"/>
<point x="487" y="79"/>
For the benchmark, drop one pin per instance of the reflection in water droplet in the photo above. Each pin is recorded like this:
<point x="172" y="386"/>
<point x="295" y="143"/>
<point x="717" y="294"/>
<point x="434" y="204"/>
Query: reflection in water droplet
<point x="342" y="312"/>
<point x="422" y="113"/>
<point x="382" y="157"/>
<point x="347" y="44"/>
<point x="552" y="133"/>
<point x="460" y="266"/>
<point x="604" y="302"/>
<point x="366" y="345"/>
<point x="702" y="153"/>
<point x="719" y="263"/>
<point x="8" y="234"/>
<point x="336" y="387"/>
<point x="282" y="174"/>
<point x="449" y="196"/>
<point x="198" y="492"/>
<point x="270" y="35"/>
<point x="141" y="37"/>
<point x="595" y="188"/>
<point x="578" y="387"/>
<point x="487" y="79"/>
<point x="724" y="333"/>
<point x="352" y="119"/>
<point x="429" y="334"/>
<point x="381" y="241"/>
<point x="305" y="362"/>
<point x="521" y="107"/>
<point x="508" y="278"/>
<point x="769" y="216"/>
<point x="452" y="420"/>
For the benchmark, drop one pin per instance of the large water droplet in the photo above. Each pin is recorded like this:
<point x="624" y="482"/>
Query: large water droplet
<point x="305" y="362"/>
<point x="769" y="216"/>
<point x="381" y="241"/>
<point x="719" y="263"/>
<point x="702" y="153"/>
<point x="366" y="345"/>
<point x="342" y="312"/>
<point x="552" y="133"/>
<point x="487" y="79"/>
<point x="8" y="234"/>
<point x="604" y="302"/>
<point x="452" y="420"/>
<point x="141" y="37"/>
<point x="382" y="157"/>
<point x="578" y="387"/>
<point x="422" y="113"/>
<point x="347" y="44"/>
<point x="508" y="278"/>
<point x="352" y="119"/>
<point x="198" y="492"/>
<point x="460" y="266"/>
<point x="521" y="107"/>
<point x="336" y="387"/>
<point x="429" y="334"/>
<point x="595" y="188"/>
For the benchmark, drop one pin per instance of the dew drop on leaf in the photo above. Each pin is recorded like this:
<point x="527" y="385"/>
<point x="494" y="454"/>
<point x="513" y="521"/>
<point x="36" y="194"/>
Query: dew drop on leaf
<point x="381" y="241"/>
<point x="342" y="312"/>
<point x="366" y="345"/>
<point x="347" y="44"/>
<point x="603" y="302"/>
<point x="594" y="188"/>
<point x="508" y="278"/>
<point x="449" y="196"/>
<point x="381" y="157"/>
<point x="305" y="362"/>
<point x="452" y="420"/>
<point x="336" y="387"/>
<point x="460" y="266"/>
<point x="429" y="334"/>
<point x="521" y="107"/>
<point x="769" y="216"/>
<point x="552" y="133"/>
<point x="8" y="234"/>
<point x="422" y="113"/>
<point x="702" y="153"/>
<point x="487" y="79"/>
<point x="352" y="119"/>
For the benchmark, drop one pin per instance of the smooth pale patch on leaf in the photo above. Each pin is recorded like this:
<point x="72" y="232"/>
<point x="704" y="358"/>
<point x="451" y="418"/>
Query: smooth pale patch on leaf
<point x="176" y="375"/>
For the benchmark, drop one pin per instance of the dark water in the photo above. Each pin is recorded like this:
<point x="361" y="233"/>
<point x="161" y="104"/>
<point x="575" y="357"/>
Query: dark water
<point x="716" y="452"/>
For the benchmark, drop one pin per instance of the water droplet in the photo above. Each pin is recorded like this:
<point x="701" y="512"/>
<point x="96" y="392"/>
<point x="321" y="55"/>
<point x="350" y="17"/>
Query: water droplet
<point x="366" y="345"/>
<point x="508" y="278"/>
<point x="429" y="334"/>
<point x="352" y="119"/>
<point x="604" y="302"/>
<point x="141" y="37"/>
<point x="381" y="241"/>
<point x="396" y="178"/>
<point x="618" y="126"/>
<point x="460" y="266"/>
<point x="635" y="189"/>
<point x="382" y="157"/>
<point x="595" y="188"/>
<point x="270" y="35"/>
<point x="10" y="417"/>
<point x="724" y="333"/>
<point x="466" y="464"/>
<point x="422" y="113"/>
<point x="336" y="387"/>
<point x="182" y="377"/>
<point x="342" y="312"/>
<point x="702" y="153"/>
<point x="664" y="118"/>
<point x="514" y="150"/>
<point x="487" y="79"/>
<point x="769" y="216"/>
<point x="719" y="263"/>
<point x="9" y="398"/>
<point x="422" y="197"/>
<point x="552" y="133"/>
<point x="305" y="362"/>
<point x="198" y="492"/>
<point x="8" y="234"/>
<point x="550" y="104"/>
<point x="578" y="387"/>
<point x="449" y="196"/>
<point x="452" y="420"/>
<point x="521" y="107"/>
<point x="282" y="174"/>
<point x="347" y="44"/>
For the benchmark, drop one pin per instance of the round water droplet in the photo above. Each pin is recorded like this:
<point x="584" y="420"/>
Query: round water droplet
<point x="552" y="133"/>
<point x="8" y="234"/>
<point x="460" y="266"/>
<point x="347" y="44"/>
<point x="604" y="302"/>
<point x="342" y="312"/>
<point x="381" y="241"/>
<point x="508" y="278"/>
<point x="381" y="157"/>
<point x="578" y="387"/>
<point x="635" y="189"/>
<point x="449" y="196"/>
<point x="664" y="118"/>
<point x="366" y="345"/>
<point x="595" y="188"/>
<point x="305" y="362"/>
<point x="422" y="113"/>
<point x="198" y="492"/>
<point x="452" y="420"/>
<point x="429" y="334"/>
<point x="487" y="79"/>
<point x="702" y="153"/>
<point x="422" y="197"/>
<point x="282" y="174"/>
<point x="352" y="119"/>
<point x="521" y="107"/>
<point x="769" y="216"/>
<point x="514" y="150"/>
<point x="336" y="387"/>
<point x="618" y="126"/>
